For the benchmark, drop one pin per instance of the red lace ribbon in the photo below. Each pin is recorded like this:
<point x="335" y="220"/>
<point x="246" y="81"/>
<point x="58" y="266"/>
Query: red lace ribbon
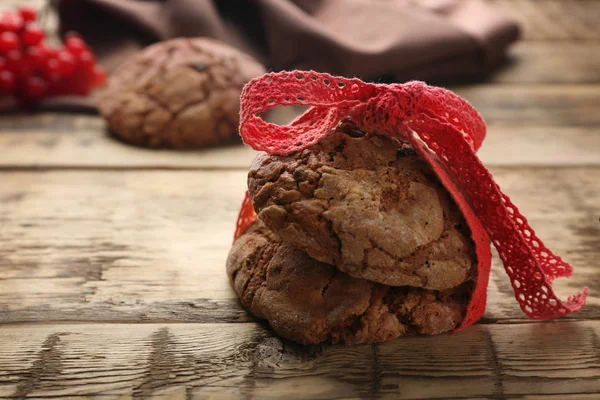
<point x="446" y="131"/>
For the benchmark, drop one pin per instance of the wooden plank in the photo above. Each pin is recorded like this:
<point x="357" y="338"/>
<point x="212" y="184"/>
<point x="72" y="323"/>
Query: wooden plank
<point x="502" y="360"/>
<point x="59" y="141"/>
<point x="577" y="396"/>
<point x="513" y="144"/>
<point x="70" y="140"/>
<point x="550" y="62"/>
<point x="554" y="19"/>
<point x="246" y="360"/>
<point x="151" y="245"/>
<point x="540" y="105"/>
<point x="73" y="242"/>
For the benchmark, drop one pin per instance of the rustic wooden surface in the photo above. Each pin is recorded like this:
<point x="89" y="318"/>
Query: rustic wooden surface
<point x="112" y="280"/>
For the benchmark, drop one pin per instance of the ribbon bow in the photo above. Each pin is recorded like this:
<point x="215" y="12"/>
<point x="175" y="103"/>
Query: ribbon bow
<point x="446" y="131"/>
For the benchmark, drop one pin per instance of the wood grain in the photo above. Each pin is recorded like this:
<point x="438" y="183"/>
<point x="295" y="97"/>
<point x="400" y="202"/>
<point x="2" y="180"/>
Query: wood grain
<point x="554" y="19"/>
<point x="532" y="62"/>
<point x="151" y="245"/>
<point x="58" y="141"/>
<point x="72" y="241"/>
<point x="67" y="140"/>
<point x="246" y="360"/>
<point x="517" y="145"/>
<point x="539" y="105"/>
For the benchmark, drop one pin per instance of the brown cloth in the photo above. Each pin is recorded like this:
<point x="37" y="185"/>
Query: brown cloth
<point x="393" y="40"/>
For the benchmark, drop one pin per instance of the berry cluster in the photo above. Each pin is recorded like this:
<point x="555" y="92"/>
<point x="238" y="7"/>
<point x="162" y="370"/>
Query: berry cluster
<point x="31" y="70"/>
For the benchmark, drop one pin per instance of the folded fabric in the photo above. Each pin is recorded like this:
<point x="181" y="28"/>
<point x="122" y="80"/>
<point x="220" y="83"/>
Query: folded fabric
<point x="394" y="40"/>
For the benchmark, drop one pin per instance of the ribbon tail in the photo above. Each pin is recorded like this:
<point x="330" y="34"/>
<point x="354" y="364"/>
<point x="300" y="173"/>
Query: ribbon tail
<point x="476" y="307"/>
<point x="246" y="216"/>
<point x="528" y="263"/>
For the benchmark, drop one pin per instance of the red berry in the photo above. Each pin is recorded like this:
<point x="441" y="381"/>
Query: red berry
<point x="34" y="88"/>
<point x="66" y="63"/>
<point x="52" y="66"/>
<point x="13" y="60"/>
<point x="87" y="61"/>
<point x="35" y="56"/>
<point x="24" y="71"/>
<point x="56" y="84"/>
<point x="49" y="51"/>
<point x="8" y="41"/>
<point x="10" y="22"/>
<point x="8" y="81"/>
<point x="99" y="76"/>
<point x="32" y="35"/>
<point x="27" y="13"/>
<point x="3" y="64"/>
<point x="75" y="45"/>
<point x="74" y="86"/>
<point x="80" y="82"/>
<point x="81" y="89"/>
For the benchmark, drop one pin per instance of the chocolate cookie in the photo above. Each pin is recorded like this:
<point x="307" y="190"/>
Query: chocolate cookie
<point x="179" y="93"/>
<point x="312" y="302"/>
<point x="373" y="210"/>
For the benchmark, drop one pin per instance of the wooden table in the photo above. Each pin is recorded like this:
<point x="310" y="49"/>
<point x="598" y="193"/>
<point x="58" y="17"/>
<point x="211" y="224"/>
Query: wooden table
<point x="112" y="275"/>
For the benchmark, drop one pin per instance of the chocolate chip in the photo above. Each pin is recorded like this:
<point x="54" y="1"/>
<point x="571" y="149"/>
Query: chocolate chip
<point x="406" y="151"/>
<point x="349" y="127"/>
<point x="200" y="67"/>
<point x="355" y="133"/>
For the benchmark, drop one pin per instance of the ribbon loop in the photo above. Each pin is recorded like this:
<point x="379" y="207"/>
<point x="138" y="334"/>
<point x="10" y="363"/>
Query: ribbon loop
<point x="330" y="99"/>
<point x="302" y="88"/>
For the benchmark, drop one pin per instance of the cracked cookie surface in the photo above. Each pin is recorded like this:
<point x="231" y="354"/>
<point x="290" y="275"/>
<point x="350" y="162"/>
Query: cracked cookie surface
<point x="312" y="302"/>
<point x="179" y="93"/>
<point x="373" y="210"/>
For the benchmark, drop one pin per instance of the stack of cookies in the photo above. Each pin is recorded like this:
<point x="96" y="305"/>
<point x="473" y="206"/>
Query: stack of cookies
<point x="356" y="242"/>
